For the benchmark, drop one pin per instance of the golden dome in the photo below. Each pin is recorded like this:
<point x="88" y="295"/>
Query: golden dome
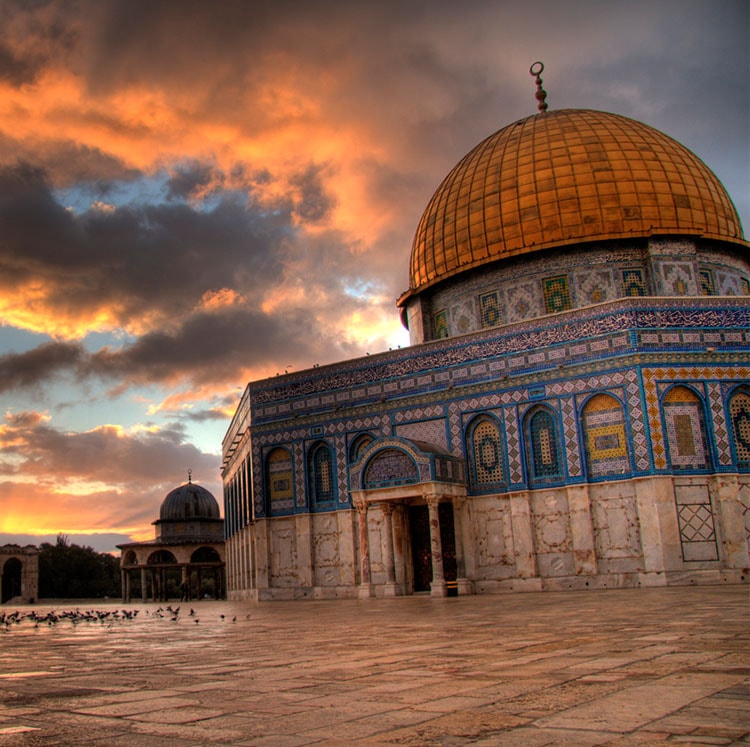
<point x="561" y="178"/>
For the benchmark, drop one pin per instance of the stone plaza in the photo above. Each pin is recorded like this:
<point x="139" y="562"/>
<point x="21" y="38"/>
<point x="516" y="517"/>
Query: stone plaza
<point x="656" y="666"/>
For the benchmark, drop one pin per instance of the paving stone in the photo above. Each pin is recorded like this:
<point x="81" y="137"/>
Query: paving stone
<point x="625" y="668"/>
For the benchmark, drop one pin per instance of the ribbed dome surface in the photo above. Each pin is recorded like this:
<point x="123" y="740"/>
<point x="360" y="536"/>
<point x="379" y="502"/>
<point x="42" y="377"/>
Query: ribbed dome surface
<point x="561" y="178"/>
<point x="189" y="501"/>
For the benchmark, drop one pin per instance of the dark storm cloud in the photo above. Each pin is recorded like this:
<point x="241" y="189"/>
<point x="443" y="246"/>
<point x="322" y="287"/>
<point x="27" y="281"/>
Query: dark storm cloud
<point x="187" y="178"/>
<point x="15" y="70"/>
<point x="159" y="262"/>
<point x="66" y="163"/>
<point x="40" y="365"/>
<point x="313" y="202"/>
<point x="428" y="77"/>
<point x="33" y="225"/>
<point x="138" y="258"/>
<point x="209" y="345"/>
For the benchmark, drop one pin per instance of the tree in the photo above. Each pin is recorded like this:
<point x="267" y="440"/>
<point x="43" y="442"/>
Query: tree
<point x="74" y="572"/>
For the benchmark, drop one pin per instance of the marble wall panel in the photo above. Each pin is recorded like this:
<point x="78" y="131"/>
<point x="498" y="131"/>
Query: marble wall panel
<point x="552" y="538"/>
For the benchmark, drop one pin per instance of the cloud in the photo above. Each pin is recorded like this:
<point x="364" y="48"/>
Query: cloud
<point x="208" y="293"/>
<point x="107" y="454"/>
<point x="106" y="478"/>
<point x="40" y="365"/>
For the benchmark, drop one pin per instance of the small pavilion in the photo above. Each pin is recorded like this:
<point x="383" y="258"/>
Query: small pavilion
<point x="186" y="558"/>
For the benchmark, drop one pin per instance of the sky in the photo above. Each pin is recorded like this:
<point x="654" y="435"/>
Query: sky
<point x="196" y="194"/>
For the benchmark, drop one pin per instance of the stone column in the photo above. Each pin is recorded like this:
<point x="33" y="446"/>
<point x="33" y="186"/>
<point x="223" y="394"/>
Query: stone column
<point x="262" y="555"/>
<point x="390" y="589"/>
<point x="437" y="587"/>
<point x="366" y="588"/>
<point x="184" y="584"/>
<point x="582" y="530"/>
<point x="464" y="586"/>
<point x="253" y="581"/>
<point x="124" y="585"/>
<point x="144" y="586"/>
<point x="247" y="544"/>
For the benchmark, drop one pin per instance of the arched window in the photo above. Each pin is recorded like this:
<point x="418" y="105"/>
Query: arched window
<point x="685" y="429"/>
<point x="279" y="481"/>
<point x="130" y="558"/>
<point x="320" y="475"/>
<point x="390" y="467"/>
<point x="205" y="555"/>
<point x="543" y="447"/>
<point x="485" y="454"/>
<point x="161" y="557"/>
<point x="739" y="416"/>
<point x="359" y="443"/>
<point x="605" y="442"/>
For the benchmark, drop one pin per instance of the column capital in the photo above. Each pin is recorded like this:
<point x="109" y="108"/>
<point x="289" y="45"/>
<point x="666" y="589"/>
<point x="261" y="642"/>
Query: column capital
<point x="459" y="500"/>
<point x="386" y="507"/>
<point x="361" y="505"/>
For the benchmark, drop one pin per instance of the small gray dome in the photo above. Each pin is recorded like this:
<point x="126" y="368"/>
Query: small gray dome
<point x="189" y="501"/>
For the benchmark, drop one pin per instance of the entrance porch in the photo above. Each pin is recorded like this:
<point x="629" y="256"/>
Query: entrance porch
<point x="420" y="540"/>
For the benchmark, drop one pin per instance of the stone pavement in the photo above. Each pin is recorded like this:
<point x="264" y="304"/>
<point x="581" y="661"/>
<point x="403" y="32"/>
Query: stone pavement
<point x="627" y="667"/>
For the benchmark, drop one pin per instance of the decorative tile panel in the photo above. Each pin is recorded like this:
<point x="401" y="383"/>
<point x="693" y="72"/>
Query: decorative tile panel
<point x="486" y="460"/>
<point x="429" y="431"/>
<point x="390" y="467"/>
<point x="299" y="474"/>
<point x="341" y="461"/>
<point x="677" y="279"/>
<point x="686" y="435"/>
<point x="463" y="318"/>
<point x="267" y="397"/>
<point x="663" y="377"/>
<point x="739" y="414"/>
<point x="544" y="446"/>
<point x="556" y="294"/>
<point x="706" y="278"/>
<point x="634" y="282"/>
<point x="719" y="429"/>
<point x="570" y="435"/>
<point x="594" y="286"/>
<point x="523" y="301"/>
<point x="727" y="284"/>
<point x="605" y="438"/>
<point x="279" y="474"/>
<point x="490" y="311"/>
<point x="515" y="466"/>
<point x="440" y="320"/>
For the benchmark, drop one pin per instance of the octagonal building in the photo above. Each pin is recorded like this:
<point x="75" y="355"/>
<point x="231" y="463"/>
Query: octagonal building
<point x="573" y="411"/>
<point x="185" y="560"/>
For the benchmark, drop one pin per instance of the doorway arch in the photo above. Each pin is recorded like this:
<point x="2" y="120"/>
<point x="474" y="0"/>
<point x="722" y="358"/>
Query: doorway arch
<point x="12" y="570"/>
